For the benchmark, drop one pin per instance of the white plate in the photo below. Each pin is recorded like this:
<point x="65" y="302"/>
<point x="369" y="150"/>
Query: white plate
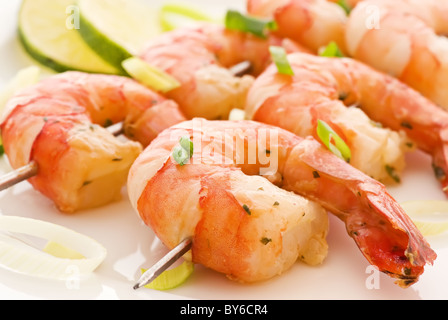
<point x="131" y="245"/>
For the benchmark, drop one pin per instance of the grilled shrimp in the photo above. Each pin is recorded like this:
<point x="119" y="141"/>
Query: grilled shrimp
<point x="199" y="59"/>
<point x="318" y="91"/>
<point x="312" y="23"/>
<point x="57" y="124"/>
<point x="408" y="36"/>
<point x="230" y="198"/>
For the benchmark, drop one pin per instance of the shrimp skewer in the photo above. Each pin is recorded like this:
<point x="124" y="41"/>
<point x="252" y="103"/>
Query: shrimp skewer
<point x="318" y="85"/>
<point x="31" y="169"/>
<point x="408" y="35"/>
<point x="318" y="91"/>
<point x="200" y="58"/>
<point x="54" y="125"/>
<point x="250" y="229"/>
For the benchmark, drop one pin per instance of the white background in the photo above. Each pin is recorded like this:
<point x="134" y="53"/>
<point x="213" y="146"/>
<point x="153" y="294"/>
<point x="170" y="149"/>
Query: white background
<point x="131" y="245"/>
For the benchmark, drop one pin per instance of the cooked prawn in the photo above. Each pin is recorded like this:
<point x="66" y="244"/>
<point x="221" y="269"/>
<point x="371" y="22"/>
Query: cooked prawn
<point x="318" y="91"/>
<point x="199" y="58"/>
<point x="408" y="35"/>
<point x="248" y="228"/>
<point x="312" y="23"/>
<point x="57" y="124"/>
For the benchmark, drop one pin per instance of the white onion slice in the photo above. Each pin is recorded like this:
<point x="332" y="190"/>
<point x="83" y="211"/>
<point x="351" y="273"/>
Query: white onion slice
<point x="28" y="260"/>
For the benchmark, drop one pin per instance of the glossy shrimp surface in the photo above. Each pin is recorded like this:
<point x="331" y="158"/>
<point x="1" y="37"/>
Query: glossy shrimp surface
<point x="408" y="35"/>
<point x="232" y="199"/>
<point x="200" y="58"/>
<point x="312" y="23"/>
<point x="58" y="125"/>
<point x="318" y="91"/>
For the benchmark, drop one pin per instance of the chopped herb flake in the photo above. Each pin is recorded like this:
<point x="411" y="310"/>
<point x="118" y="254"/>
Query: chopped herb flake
<point x="265" y="240"/>
<point x="439" y="172"/>
<point x="407" y="125"/>
<point x="276" y="203"/>
<point x="108" y="123"/>
<point x="246" y="208"/>
<point x="407" y="271"/>
<point x="392" y="173"/>
<point x="316" y="174"/>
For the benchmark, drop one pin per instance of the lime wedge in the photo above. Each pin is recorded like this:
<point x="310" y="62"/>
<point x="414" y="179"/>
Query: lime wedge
<point x="117" y="29"/>
<point x="47" y="30"/>
<point x="176" y="15"/>
<point x="172" y="278"/>
<point x="149" y="76"/>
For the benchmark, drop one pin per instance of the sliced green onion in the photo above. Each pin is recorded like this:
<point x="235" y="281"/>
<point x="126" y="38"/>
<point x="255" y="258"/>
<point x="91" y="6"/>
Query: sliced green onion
<point x="23" y="258"/>
<point x="176" y="15"/>
<point x="344" y="5"/>
<point x="172" y="278"/>
<point x="184" y="151"/>
<point x="187" y="144"/>
<point x="150" y="76"/>
<point x="333" y="141"/>
<point x="430" y="216"/>
<point x="280" y="59"/>
<point x="239" y="22"/>
<point x="2" y="149"/>
<point x="331" y="50"/>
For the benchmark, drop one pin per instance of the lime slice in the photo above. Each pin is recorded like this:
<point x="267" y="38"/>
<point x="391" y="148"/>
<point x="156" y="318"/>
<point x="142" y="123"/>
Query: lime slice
<point x="177" y="15"/>
<point x="47" y="30"/>
<point x="172" y="278"/>
<point x="117" y="29"/>
<point x="148" y="75"/>
<point x="430" y="216"/>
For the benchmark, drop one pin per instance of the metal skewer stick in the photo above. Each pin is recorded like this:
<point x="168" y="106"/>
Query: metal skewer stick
<point x="19" y="175"/>
<point x="164" y="263"/>
<point x="31" y="169"/>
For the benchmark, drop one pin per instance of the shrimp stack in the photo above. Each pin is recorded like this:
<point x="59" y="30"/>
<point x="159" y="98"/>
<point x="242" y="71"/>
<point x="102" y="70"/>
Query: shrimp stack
<point x="199" y="58"/>
<point x="58" y="125"/>
<point x="408" y="35"/>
